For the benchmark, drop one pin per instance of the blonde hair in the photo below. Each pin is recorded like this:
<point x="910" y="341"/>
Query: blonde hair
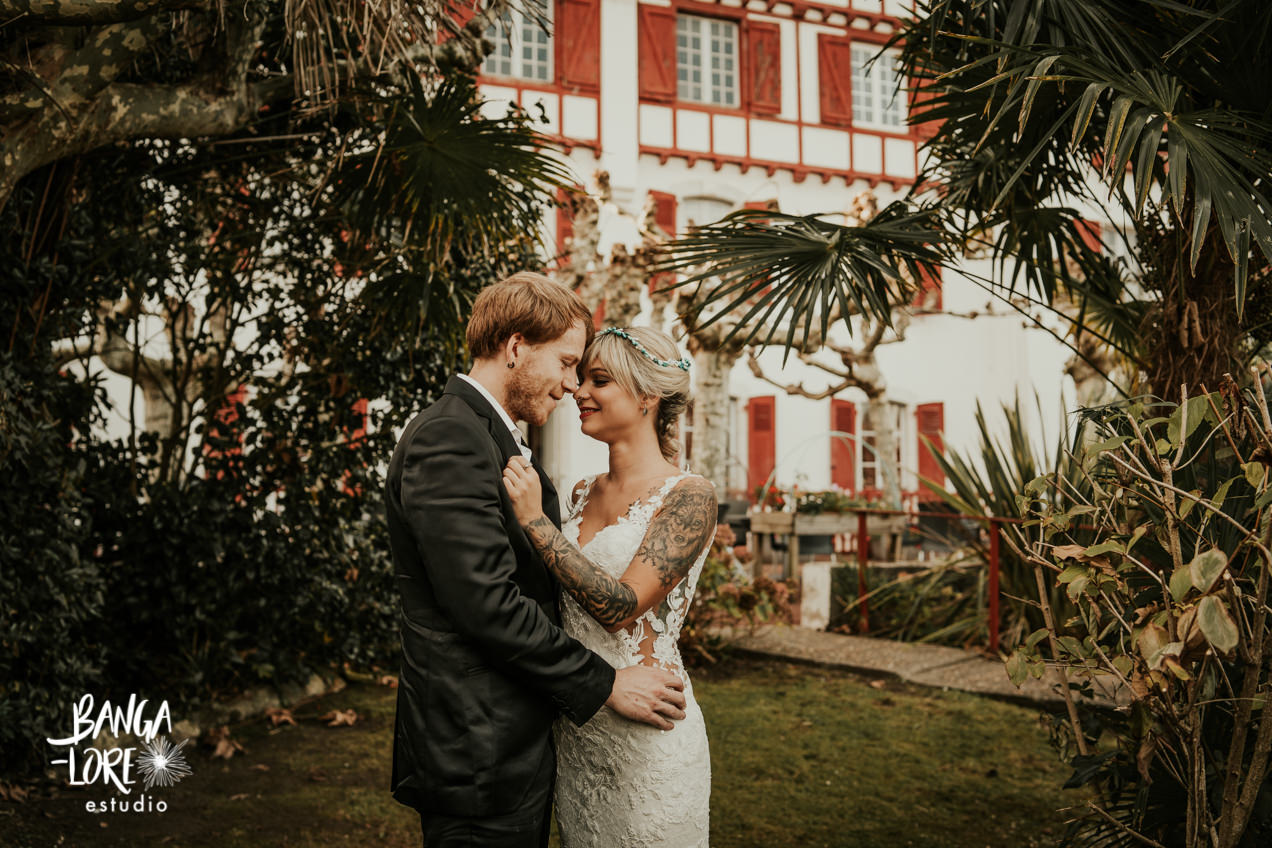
<point x="642" y="377"/>
<point x="531" y="304"/>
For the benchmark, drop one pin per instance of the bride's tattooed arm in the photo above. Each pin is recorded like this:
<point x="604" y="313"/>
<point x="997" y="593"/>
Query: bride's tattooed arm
<point x="607" y="599"/>
<point x="675" y="538"/>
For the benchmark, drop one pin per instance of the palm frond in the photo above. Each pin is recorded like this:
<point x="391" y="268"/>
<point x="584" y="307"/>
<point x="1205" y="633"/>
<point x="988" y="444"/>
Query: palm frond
<point x="446" y="179"/>
<point x="1029" y="97"/>
<point x="777" y="270"/>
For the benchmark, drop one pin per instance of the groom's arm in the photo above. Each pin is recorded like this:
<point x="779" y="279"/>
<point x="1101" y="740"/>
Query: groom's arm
<point x="451" y="496"/>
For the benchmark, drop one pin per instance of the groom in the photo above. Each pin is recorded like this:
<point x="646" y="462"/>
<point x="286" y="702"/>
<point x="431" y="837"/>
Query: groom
<point x="486" y="667"/>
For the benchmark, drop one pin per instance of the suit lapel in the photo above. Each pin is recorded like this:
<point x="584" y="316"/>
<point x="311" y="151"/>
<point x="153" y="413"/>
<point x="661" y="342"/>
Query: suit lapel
<point x="551" y="502"/>
<point x="508" y="446"/>
<point x="494" y="424"/>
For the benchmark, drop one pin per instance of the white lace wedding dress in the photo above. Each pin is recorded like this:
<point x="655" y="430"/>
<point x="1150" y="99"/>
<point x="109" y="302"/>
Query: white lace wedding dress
<point x="621" y="784"/>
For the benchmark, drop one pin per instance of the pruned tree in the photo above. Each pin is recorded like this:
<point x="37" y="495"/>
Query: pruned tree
<point x="858" y="366"/>
<point x="614" y="281"/>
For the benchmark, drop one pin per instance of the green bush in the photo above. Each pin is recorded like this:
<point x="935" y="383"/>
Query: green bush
<point x="727" y="602"/>
<point x="244" y="544"/>
<point x="946" y="603"/>
<point x="53" y="599"/>
<point x="1164" y="560"/>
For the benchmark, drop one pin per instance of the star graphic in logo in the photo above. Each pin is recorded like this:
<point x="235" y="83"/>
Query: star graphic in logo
<point x="163" y="764"/>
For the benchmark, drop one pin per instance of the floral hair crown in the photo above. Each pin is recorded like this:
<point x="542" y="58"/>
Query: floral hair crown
<point x="682" y="363"/>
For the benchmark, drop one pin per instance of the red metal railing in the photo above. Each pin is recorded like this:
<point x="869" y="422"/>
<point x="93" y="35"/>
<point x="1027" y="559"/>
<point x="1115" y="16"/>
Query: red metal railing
<point x="994" y="525"/>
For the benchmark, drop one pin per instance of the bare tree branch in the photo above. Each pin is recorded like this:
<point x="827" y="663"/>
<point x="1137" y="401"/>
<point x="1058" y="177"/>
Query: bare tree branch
<point x="125" y="110"/>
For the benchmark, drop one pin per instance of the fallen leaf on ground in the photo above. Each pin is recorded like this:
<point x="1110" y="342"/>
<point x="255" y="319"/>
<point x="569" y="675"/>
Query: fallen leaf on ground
<point x="239" y="797"/>
<point x="260" y="767"/>
<point x="339" y="718"/>
<point x="10" y="792"/>
<point x="279" y="715"/>
<point x="389" y="680"/>
<point x="222" y="745"/>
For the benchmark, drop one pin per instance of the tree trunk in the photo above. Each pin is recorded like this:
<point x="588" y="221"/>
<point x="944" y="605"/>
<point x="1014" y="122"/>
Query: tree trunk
<point x="711" y="414"/>
<point x="885" y="443"/>
<point x="1195" y="334"/>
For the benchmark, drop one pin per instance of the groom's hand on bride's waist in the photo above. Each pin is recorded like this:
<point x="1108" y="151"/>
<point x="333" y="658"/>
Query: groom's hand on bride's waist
<point x="649" y="695"/>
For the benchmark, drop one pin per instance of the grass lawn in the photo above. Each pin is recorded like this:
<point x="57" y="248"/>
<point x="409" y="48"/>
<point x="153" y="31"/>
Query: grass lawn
<point x="800" y="757"/>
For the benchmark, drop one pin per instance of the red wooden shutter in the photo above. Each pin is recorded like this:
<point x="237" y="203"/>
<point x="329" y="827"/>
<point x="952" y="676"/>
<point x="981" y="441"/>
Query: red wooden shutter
<point x="834" y="73"/>
<point x="565" y="225"/>
<point x="1089" y="231"/>
<point x="761" y="443"/>
<point x="665" y="217"/>
<point x="843" y="419"/>
<point x="578" y="43"/>
<point x="921" y="95"/>
<point x="931" y="423"/>
<point x="665" y="211"/>
<point x="764" y="56"/>
<point x="929" y="293"/>
<point x="656" y="43"/>
<point x="461" y="12"/>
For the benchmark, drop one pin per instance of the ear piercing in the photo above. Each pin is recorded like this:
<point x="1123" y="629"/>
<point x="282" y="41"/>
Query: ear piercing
<point x="512" y="365"/>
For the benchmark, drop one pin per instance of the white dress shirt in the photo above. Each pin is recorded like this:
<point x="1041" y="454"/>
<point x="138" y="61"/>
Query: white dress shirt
<point x="503" y="415"/>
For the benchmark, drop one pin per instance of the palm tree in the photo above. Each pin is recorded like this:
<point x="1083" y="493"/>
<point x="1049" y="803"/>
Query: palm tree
<point x="1153" y="111"/>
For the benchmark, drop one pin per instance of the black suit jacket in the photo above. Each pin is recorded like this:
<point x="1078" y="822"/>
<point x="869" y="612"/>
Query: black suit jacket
<point x="486" y="667"/>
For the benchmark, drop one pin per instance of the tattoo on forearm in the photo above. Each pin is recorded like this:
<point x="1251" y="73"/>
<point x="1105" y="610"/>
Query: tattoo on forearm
<point x="675" y="538"/>
<point x="680" y="531"/>
<point x="603" y="597"/>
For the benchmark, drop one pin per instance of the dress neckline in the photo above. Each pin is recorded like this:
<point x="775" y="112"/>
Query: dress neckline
<point x="625" y="518"/>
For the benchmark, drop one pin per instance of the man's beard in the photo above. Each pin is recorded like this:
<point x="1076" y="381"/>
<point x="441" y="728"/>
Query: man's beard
<point x="521" y="394"/>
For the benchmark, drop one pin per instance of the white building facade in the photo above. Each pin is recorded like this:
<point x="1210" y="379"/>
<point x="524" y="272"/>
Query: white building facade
<point x="714" y="106"/>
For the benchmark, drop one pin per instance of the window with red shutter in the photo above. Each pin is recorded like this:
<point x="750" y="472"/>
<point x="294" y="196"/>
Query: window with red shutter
<point x="707" y="63"/>
<point x="834" y="73"/>
<point x="656" y="43"/>
<point x="921" y="95"/>
<point x="764" y="58"/>
<point x="565" y="224"/>
<point x="665" y="211"/>
<point x="761" y="443"/>
<point x="843" y="449"/>
<point x="930" y="418"/>
<point x="578" y="43"/>
<point x="1090" y="233"/>
<point x="523" y="47"/>
<point x="928" y="297"/>
<point x="462" y="13"/>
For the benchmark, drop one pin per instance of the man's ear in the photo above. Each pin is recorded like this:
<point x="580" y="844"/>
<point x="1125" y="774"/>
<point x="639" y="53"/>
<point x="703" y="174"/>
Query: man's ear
<point x="513" y="346"/>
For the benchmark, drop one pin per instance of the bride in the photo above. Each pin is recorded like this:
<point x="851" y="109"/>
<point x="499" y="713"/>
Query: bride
<point x="628" y="557"/>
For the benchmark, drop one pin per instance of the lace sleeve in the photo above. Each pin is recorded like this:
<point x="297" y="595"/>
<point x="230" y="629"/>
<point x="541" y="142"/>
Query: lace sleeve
<point x="578" y="496"/>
